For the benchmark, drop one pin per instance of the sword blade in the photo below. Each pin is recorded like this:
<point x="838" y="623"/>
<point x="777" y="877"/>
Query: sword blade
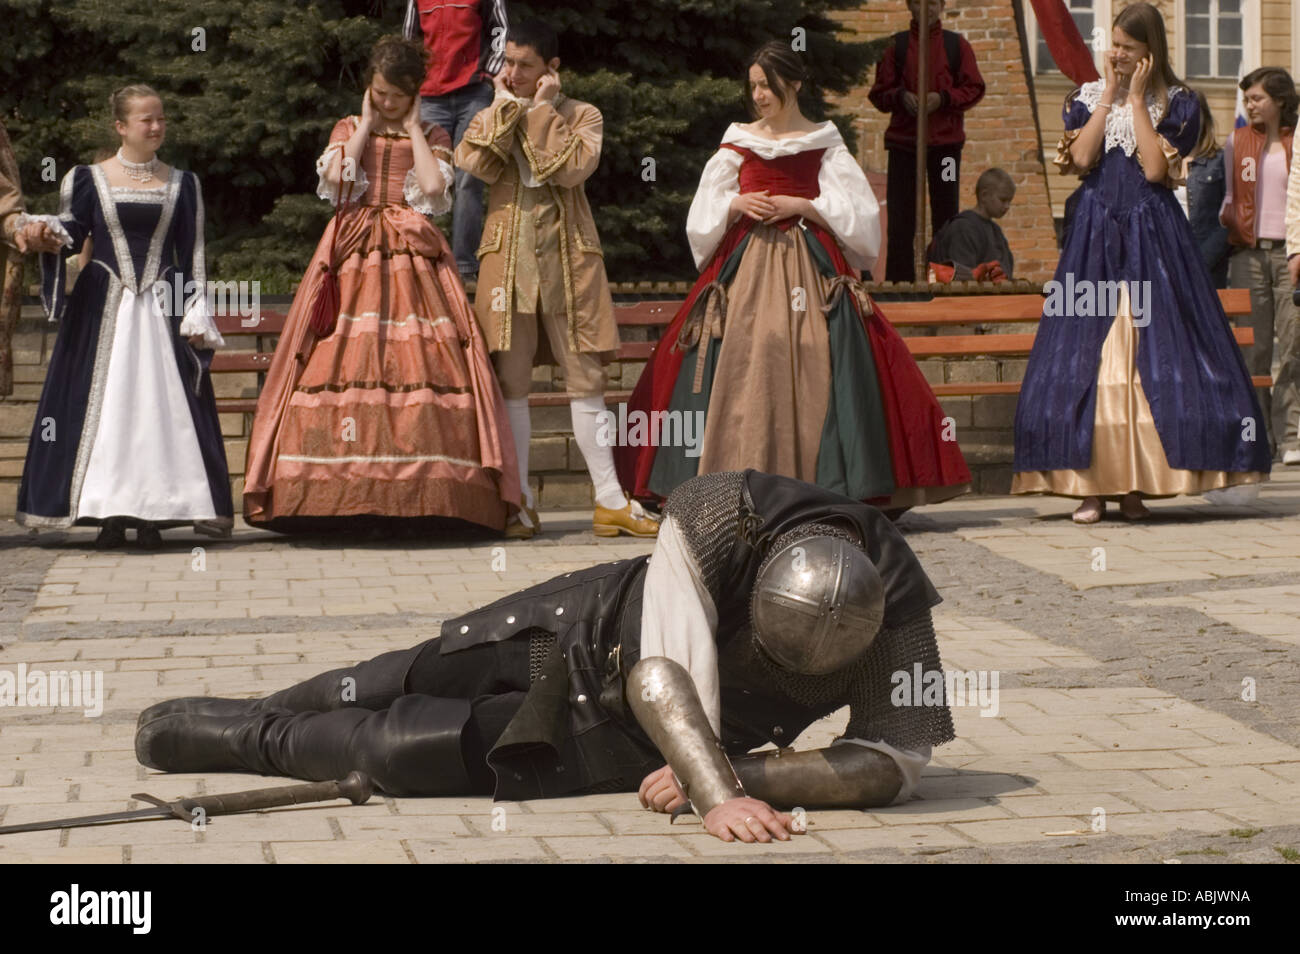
<point x="88" y="820"/>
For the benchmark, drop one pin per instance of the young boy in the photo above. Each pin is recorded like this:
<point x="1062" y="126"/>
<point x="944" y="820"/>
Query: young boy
<point x="972" y="242"/>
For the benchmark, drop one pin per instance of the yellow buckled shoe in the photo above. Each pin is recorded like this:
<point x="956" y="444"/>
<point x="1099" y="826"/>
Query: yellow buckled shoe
<point x="632" y="520"/>
<point x="516" y="529"/>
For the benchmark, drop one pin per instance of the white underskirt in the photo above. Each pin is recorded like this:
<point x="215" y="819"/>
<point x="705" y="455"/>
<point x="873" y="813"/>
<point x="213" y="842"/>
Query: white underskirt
<point x="145" y="461"/>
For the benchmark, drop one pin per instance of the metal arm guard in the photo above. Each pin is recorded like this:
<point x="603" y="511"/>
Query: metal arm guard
<point x="663" y="698"/>
<point x="841" y="776"/>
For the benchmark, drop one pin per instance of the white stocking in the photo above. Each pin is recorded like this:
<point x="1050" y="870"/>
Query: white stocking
<point x="599" y="457"/>
<point x="521" y="425"/>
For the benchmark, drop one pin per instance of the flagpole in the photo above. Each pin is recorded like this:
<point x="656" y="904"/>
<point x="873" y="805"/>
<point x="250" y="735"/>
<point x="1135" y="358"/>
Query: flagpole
<point x="920" y="265"/>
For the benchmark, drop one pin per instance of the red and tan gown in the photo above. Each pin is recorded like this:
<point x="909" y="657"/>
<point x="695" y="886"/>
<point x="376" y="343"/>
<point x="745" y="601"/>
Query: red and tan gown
<point x="397" y="412"/>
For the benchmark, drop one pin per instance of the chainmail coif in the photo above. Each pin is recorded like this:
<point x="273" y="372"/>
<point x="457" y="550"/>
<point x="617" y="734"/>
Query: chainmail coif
<point x="868" y="684"/>
<point x="707" y="511"/>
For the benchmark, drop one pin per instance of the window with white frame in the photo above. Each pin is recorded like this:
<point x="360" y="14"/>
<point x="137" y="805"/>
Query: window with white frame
<point x="1089" y="16"/>
<point x="1215" y="42"/>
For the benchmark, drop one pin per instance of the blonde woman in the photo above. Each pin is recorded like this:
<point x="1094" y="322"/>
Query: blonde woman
<point x="126" y="433"/>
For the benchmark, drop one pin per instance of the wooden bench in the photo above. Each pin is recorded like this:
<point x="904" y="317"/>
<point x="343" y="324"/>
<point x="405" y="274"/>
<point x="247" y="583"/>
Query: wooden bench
<point x="946" y="311"/>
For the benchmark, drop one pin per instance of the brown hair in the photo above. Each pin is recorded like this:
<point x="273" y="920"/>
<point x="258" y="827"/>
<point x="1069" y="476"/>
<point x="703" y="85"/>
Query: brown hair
<point x="1278" y="84"/>
<point x="399" y="61"/>
<point x="1207" y="144"/>
<point x="119" y="103"/>
<point x="993" y="178"/>
<point x="782" y="69"/>
<point x="1144" y="23"/>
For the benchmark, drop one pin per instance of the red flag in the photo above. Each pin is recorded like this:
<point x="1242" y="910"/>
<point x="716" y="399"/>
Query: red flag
<point x="1058" y="28"/>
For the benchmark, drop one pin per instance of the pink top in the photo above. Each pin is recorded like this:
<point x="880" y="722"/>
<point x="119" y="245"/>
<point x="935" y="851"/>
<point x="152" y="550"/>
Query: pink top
<point x="1270" y="205"/>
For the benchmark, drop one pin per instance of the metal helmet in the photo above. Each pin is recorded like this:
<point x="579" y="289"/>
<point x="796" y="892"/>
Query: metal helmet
<point x="818" y="603"/>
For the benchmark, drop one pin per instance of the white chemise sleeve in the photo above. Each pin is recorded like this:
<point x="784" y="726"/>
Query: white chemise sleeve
<point x="710" y="213"/>
<point x="329" y="191"/>
<point x="678" y="618"/>
<point x="51" y="222"/>
<point x="421" y="201"/>
<point x="849" y="207"/>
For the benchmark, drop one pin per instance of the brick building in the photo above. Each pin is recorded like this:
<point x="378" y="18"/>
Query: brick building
<point x="1018" y="123"/>
<point x="1000" y="131"/>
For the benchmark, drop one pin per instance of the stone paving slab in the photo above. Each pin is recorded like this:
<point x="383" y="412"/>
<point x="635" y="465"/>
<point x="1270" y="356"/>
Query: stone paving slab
<point x="1090" y="722"/>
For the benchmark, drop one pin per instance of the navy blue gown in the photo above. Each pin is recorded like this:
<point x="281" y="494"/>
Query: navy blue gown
<point x="127" y="423"/>
<point x="1186" y="362"/>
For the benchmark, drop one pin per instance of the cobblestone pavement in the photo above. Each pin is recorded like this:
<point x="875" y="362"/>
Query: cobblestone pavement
<point x="1147" y="705"/>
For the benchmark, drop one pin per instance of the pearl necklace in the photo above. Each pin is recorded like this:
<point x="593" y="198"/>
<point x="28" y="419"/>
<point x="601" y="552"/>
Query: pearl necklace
<point x="139" y="171"/>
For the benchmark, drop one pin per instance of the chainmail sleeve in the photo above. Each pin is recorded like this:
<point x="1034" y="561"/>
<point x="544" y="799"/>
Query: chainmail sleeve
<point x="707" y="511"/>
<point x="873" y="714"/>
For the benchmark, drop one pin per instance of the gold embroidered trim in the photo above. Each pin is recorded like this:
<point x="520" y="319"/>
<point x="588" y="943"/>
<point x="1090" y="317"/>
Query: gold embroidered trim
<point x="543" y="172"/>
<point x="512" y="258"/>
<point x="502" y="128"/>
<point x="566" y="266"/>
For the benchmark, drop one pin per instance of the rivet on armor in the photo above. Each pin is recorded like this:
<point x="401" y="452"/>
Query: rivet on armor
<point x="582" y="697"/>
<point x="464" y="629"/>
<point x="510" y="619"/>
<point x="778" y="731"/>
<point x="559" y="611"/>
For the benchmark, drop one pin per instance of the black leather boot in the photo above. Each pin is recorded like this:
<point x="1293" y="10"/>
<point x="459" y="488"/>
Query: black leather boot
<point x="373" y="684"/>
<point x="198" y="705"/>
<point x="412" y="748"/>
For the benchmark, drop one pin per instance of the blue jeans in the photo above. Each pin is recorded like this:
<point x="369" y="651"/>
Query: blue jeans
<point x="453" y="112"/>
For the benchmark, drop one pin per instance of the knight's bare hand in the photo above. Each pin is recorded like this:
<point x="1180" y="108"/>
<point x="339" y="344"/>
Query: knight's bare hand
<point x="660" y="792"/>
<point x="749" y="820"/>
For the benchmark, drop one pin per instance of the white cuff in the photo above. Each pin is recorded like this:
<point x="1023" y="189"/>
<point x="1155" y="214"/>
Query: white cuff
<point x="421" y="201"/>
<point x="52" y="221"/>
<point x="198" y="321"/>
<point x="329" y="191"/>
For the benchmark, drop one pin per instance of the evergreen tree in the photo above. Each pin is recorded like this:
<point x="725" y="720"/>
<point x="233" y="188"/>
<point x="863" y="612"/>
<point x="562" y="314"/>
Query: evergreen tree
<point x="252" y="91"/>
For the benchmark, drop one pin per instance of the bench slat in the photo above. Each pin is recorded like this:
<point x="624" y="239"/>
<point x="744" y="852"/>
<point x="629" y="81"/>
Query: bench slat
<point x="966" y="345"/>
<point x="938" y="312"/>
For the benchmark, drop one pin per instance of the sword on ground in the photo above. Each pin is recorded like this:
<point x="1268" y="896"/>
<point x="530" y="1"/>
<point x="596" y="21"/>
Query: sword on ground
<point x="356" y="788"/>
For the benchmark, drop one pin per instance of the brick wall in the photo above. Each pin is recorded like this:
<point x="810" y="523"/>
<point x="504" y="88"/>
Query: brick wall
<point x="1000" y="130"/>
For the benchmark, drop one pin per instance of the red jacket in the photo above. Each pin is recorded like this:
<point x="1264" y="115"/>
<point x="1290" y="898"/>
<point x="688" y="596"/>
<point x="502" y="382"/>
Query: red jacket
<point x="1239" y="215"/>
<point x="958" y="93"/>
<point x="459" y="36"/>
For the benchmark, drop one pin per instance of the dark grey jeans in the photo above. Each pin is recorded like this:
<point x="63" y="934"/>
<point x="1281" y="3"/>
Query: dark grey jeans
<point x="453" y="113"/>
<point x="1272" y="313"/>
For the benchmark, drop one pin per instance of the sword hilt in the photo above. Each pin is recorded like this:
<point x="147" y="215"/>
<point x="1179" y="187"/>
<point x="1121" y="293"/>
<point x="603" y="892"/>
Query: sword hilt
<point x="356" y="788"/>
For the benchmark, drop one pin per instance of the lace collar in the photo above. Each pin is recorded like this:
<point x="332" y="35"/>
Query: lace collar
<point x="823" y="137"/>
<point x="1119" y="121"/>
<point x="133" y="194"/>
